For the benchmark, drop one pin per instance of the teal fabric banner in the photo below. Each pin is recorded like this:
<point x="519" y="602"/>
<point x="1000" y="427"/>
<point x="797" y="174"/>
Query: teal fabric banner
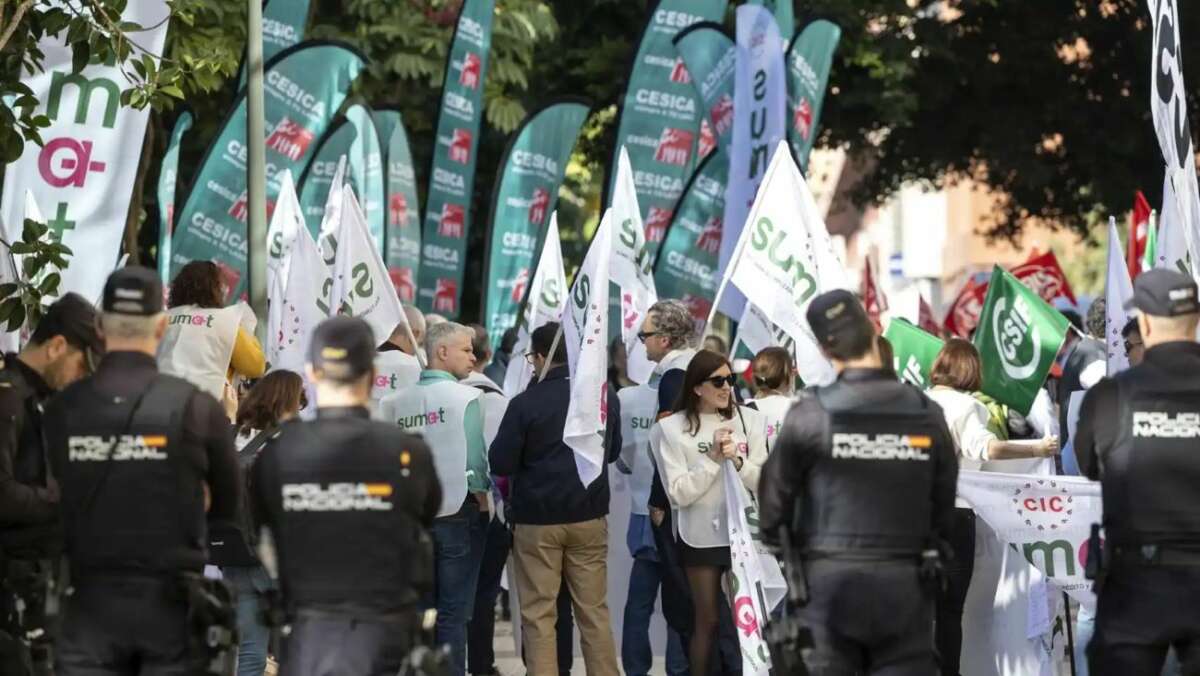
<point x="284" y="24"/>
<point x="402" y="231"/>
<point x="809" y="59"/>
<point x="686" y="267"/>
<point x="305" y="86"/>
<point x="168" y="178"/>
<point x="313" y="187"/>
<point x="661" y="114"/>
<point x="785" y="15"/>
<point x="525" y="196"/>
<point x="356" y="139"/>
<point x="710" y="56"/>
<point x="452" y="176"/>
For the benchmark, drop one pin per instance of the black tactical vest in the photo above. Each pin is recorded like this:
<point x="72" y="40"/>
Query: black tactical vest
<point x="869" y="492"/>
<point x="132" y="499"/>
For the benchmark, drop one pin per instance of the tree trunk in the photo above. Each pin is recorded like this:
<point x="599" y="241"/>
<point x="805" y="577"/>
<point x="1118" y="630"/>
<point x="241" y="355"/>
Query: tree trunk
<point x="133" y="221"/>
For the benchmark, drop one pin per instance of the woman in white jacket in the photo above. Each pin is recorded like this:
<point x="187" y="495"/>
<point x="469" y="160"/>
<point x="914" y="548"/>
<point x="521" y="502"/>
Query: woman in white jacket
<point x="774" y="388"/>
<point x="708" y="431"/>
<point x="956" y="374"/>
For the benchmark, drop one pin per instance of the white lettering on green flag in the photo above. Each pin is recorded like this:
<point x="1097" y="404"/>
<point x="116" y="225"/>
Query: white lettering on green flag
<point x="710" y="57"/>
<point x="686" y="267"/>
<point x="914" y="350"/>
<point x="1018" y="337"/>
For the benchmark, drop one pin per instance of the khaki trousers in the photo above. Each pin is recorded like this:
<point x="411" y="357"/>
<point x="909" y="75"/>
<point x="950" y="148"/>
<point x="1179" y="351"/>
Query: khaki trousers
<point x="544" y="556"/>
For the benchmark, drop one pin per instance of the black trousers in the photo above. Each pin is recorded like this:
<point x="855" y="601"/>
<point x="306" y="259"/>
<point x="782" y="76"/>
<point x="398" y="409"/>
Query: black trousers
<point x="481" y="631"/>
<point x="128" y="626"/>
<point x="330" y="646"/>
<point x="950" y="601"/>
<point x="868" y="617"/>
<point x="1142" y="611"/>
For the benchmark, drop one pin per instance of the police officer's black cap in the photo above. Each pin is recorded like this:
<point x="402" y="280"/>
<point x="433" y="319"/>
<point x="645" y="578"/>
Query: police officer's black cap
<point x="342" y="348"/>
<point x="73" y="318"/>
<point x="1164" y="293"/>
<point x="134" y="290"/>
<point x="837" y="317"/>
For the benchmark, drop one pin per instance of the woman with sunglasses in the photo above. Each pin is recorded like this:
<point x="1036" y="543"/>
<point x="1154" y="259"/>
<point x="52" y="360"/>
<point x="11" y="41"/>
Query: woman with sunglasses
<point x="275" y="399"/>
<point x="708" y="431"/>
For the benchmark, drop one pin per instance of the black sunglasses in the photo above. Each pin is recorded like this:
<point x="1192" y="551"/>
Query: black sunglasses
<point x="643" y="335"/>
<point x="718" y="381"/>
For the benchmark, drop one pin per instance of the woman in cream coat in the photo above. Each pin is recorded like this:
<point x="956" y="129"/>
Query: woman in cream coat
<point x="708" y="433"/>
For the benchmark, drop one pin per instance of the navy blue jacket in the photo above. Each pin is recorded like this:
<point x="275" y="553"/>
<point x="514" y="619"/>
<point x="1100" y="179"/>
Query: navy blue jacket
<point x="544" y="486"/>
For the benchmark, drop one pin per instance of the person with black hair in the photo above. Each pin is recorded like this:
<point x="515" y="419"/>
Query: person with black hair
<point x="349" y="503"/>
<point x="560" y="527"/>
<point x="1135" y="348"/>
<point x="830" y="485"/>
<point x="63" y="348"/>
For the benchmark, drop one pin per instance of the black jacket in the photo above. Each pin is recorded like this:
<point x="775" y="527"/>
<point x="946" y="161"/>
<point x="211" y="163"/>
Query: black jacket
<point x="864" y="465"/>
<point x="544" y="486"/>
<point x="28" y="505"/>
<point x="1138" y="436"/>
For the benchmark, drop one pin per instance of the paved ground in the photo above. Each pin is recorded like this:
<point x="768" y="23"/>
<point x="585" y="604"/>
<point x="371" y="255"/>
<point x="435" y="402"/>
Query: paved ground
<point x="509" y="662"/>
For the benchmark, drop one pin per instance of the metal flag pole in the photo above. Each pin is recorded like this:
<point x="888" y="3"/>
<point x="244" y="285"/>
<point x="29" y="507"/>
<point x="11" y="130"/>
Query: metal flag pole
<point x="256" y="169"/>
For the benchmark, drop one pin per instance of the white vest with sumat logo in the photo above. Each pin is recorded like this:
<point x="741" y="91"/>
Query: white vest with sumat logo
<point x="394" y="371"/>
<point x="639" y="408"/>
<point x="773" y="409"/>
<point x="198" y="344"/>
<point x="437" y="412"/>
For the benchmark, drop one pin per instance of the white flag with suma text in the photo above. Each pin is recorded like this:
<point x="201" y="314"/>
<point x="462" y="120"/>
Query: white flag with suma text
<point x="545" y="299"/>
<point x="585" y="330"/>
<point x="286" y="223"/>
<point x="631" y="269"/>
<point x="361" y="285"/>
<point x="296" y="305"/>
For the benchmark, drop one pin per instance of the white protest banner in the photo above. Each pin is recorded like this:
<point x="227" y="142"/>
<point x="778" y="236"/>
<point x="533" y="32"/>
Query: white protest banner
<point x="331" y="222"/>
<point x="759" y="125"/>
<point x="286" y="223"/>
<point x="544" y="304"/>
<point x="1168" y="106"/>
<point x="755" y="583"/>
<point x="585" y="331"/>
<point x="84" y="171"/>
<point x="361" y="286"/>
<point x="785" y="257"/>
<point x="1048" y="519"/>
<point x="297" y="305"/>
<point x="631" y="269"/>
<point x="1118" y="289"/>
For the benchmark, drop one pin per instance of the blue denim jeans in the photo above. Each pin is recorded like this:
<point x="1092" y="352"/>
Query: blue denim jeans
<point x="248" y="582"/>
<point x="636" y="653"/>
<point x="458" y="542"/>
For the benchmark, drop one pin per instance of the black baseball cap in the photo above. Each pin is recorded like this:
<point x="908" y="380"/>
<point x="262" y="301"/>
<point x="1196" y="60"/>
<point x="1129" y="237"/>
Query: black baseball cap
<point x="837" y="317"/>
<point x="73" y="318"/>
<point x="1164" y="293"/>
<point x="134" y="290"/>
<point x="342" y="348"/>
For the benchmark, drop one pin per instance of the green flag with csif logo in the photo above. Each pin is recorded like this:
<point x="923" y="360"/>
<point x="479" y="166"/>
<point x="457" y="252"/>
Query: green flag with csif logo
<point x="686" y="267"/>
<point x="1018" y="337"/>
<point x="402" y="236"/>
<point x="304" y="87"/>
<point x="525" y="196"/>
<point x="447" y="221"/>
<point x="661" y="115"/>
<point x="914" y="349"/>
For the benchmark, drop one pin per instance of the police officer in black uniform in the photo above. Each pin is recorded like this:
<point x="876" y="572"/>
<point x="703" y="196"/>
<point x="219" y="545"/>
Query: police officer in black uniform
<point x="862" y="483"/>
<point x="63" y="348"/>
<point x="348" y="502"/>
<point x="1138" y="434"/>
<point x="138" y="456"/>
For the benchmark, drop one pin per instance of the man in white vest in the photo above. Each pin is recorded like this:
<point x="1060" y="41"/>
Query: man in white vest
<point x="397" y="364"/>
<point x="450" y="417"/>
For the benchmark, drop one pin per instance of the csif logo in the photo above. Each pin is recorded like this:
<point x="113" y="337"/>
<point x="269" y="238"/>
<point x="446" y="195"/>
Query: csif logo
<point x="1016" y="338"/>
<point x="765" y="240"/>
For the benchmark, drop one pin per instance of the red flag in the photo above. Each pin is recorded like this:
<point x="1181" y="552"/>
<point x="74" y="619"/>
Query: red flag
<point x="963" y="316"/>
<point x="1044" y="275"/>
<point x="874" y="301"/>
<point x="1139" y="231"/>
<point x="925" y="318"/>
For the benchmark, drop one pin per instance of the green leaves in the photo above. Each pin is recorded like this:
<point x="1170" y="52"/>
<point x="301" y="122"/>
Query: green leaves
<point x="41" y="259"/>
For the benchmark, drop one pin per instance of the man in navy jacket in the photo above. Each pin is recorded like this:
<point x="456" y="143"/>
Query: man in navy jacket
<point x="560" y="529"/>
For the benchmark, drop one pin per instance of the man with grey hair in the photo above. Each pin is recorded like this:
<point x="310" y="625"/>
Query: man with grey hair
<point x="450" y="417"/>
<point x="397" y="362"/>
<point x="140" y="458"/>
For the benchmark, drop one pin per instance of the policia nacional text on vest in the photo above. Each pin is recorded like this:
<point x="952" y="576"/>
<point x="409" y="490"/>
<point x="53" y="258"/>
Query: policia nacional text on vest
<point x="860" y="485"/>
<point x="136" y="452"/>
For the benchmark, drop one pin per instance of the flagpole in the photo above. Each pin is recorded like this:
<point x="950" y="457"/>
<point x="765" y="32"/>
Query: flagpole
<point x="550" y="355"/>
<point x="256" y="168"/>
<point x="737" y="254"/>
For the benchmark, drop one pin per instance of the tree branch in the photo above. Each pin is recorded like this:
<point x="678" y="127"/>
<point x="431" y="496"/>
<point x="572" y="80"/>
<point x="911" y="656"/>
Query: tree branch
<point x="16" y="21"/>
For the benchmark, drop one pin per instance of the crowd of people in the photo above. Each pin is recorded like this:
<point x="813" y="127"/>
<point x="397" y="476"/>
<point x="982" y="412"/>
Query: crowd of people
<point x="395" y="476"/>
